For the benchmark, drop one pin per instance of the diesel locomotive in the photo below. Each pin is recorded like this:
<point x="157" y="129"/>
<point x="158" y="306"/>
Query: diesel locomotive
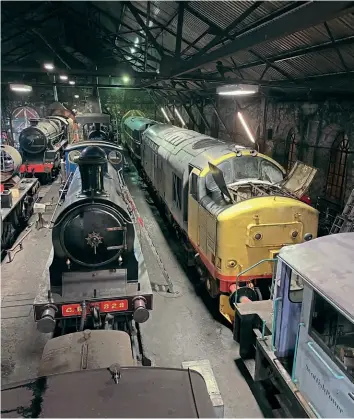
<point x="299" y="347"/>
<point x="42" y="143"/>
<point x="233" y="206"/>
<point x="133" y="126"/>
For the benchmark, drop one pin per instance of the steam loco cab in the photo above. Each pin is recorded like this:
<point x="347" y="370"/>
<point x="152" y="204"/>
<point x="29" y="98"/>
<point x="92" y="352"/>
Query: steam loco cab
<point x="97" y="275"/>
<point x="95" y="127"/>
<point x="300" y="345"/>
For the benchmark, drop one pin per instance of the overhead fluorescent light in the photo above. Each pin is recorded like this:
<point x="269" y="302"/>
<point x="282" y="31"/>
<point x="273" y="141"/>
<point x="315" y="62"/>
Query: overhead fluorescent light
<point x="22" y="88"/>
<point x="165" y="115"/>
<point x="237" y="90"/>
<point x="245" y="126"/>
<point x="71" y="82"/>
<point x="179" y="117"/>
<point x="63" y="77"/>
<point x="49" y="66"/>
<point x="76" y="96"/>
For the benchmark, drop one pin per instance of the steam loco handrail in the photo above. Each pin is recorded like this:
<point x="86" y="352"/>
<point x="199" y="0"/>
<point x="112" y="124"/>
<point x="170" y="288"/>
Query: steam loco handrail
<point x="84" y="144"/>
<point x="68" y="180"/>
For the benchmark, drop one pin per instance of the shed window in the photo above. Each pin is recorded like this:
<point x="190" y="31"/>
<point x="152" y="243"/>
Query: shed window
<point x="291" y="143"/>
<point x="177" y="191"/>
<point x="337" y="168"/>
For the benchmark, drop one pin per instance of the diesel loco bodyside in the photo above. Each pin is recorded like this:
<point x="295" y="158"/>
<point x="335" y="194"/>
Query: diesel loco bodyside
<point x="133" y="128"/>
<point x="232" y="205"/>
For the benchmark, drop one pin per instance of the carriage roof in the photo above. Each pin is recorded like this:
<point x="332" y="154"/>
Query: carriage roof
<point x="327" y="265"/>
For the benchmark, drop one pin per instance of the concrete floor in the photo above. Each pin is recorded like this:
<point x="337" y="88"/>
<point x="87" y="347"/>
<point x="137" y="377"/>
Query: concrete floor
<point x="182" y="327"/>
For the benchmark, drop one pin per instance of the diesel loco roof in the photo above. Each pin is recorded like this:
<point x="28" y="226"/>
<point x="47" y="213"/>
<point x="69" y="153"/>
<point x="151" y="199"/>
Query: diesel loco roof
<point x="137" y="123"/>
<point x="200" y="148"/>
<point x="327" y="265"/>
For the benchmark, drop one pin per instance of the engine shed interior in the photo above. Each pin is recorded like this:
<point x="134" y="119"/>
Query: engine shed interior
<point x="177" y="204"/>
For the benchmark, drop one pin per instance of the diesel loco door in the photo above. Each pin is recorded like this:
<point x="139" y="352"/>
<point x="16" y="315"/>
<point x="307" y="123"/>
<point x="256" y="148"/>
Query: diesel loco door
<point x="193" y="205"/>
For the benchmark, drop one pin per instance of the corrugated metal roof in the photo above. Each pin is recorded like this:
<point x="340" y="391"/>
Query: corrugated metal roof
<point x="161" y="11"/>
<point x="221" y="13"/>
<point x="266" y="8"/>
<point x="343" y="26"/>
<point x="312" y="36"/>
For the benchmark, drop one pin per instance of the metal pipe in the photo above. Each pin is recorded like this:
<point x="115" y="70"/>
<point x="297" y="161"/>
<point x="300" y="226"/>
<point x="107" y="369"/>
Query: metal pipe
<point x="146" y="34"/>
<point x="55" y="91"/>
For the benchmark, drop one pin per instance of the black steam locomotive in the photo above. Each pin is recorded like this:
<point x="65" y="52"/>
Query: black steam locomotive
<point x="95" y="127"/>
<point x="97" y="265"/>
<point x="42" y="144"/>
<point x="98" y="287"/>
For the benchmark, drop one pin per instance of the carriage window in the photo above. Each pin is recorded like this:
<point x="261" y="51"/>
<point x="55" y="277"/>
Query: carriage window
<point x="177" y="191"/>
<point x="296" y="288"/>
<point x="334" y="332"/>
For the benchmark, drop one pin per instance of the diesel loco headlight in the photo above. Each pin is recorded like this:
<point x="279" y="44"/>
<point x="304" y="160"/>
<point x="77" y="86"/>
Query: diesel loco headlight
<point x="294" y="234"/>
<point x="258" y="236"/>
<point x="231" y="263"/>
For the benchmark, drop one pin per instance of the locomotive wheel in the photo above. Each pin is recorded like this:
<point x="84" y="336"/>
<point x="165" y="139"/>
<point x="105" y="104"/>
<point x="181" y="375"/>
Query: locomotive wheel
<point x="212" y="287"/>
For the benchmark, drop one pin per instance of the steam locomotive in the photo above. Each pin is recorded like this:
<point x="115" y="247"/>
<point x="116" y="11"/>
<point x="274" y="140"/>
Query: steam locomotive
<point x="95" y="127"/>
<point x="42" y="143"/>
<point x="97" y="264"/>
<point x="99" y="294"/>
<point x="17" y="196"/>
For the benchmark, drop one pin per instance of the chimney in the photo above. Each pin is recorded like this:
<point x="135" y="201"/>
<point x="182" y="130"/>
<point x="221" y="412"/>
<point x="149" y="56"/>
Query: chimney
<point x="34" y="122"/>
<point x="92" y="162"/>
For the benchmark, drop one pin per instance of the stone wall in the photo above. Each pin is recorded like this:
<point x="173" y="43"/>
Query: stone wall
<point x="316" y="126"/>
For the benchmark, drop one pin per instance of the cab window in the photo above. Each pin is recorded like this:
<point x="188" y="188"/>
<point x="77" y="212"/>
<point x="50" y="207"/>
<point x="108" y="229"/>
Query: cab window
<point x="270" y="172"/>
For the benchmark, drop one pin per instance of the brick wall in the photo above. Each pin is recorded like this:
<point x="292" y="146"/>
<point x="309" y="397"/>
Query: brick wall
<point x="316" y="127"/>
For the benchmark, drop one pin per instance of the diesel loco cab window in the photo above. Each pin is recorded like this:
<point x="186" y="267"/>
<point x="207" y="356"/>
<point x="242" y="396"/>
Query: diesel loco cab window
<point x="177" y="191"/>
<point x="335" y="333"/>
<point x="250" y="167"/>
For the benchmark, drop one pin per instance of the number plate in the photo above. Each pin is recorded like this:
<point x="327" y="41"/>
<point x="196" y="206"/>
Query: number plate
<point x="104" y="306"/>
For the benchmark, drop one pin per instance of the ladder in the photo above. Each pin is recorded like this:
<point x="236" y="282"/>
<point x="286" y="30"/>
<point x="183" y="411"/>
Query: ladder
<point x="344" y="223"/>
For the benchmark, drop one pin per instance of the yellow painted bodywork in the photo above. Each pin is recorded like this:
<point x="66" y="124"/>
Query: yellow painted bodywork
<point x="228" y="240"/>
